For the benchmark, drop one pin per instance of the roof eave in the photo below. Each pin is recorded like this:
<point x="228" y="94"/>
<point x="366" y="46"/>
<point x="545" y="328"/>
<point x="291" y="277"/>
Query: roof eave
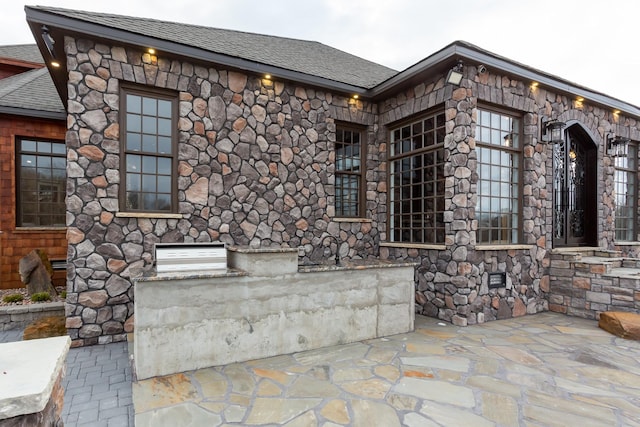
<point x="29" y="112"/>
<point x="37" y="18"/>
<point x="467" y="52"/>
<point x="20" y="63"/>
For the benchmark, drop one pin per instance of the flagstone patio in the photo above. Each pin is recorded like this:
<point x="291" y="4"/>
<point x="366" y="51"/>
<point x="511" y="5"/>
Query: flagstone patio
<point x="541" y="370"/>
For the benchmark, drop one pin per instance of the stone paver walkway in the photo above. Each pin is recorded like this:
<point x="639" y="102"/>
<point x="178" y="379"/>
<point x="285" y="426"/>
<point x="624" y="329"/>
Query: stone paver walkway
<point x="542" y="370"/>
<point x="97" y="384"/>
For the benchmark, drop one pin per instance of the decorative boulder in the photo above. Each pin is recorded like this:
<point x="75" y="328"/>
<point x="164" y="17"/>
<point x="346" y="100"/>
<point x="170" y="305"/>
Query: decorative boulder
<point x="621" y="324"/>
<point x="36" y="272"/>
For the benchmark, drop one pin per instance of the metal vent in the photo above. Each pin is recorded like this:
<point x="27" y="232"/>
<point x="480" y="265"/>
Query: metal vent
<point x="497" y="280"/>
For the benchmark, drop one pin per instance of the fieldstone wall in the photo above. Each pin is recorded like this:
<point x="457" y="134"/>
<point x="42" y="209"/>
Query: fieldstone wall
<point x="452" y="279"/>
<point x="256" y="167"/>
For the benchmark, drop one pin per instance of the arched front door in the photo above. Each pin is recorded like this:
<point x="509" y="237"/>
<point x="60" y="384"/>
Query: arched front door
<point x="575" y="190"/>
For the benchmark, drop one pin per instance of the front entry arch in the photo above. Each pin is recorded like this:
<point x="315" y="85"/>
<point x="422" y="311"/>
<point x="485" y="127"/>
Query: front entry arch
<point x="574" y="190"/>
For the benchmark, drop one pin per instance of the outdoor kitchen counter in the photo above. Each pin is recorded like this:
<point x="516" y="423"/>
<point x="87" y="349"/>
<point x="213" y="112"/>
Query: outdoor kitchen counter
<point x="265" y="305"/>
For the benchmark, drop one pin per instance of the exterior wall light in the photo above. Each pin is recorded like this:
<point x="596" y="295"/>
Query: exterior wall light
<point x="552" y="131"/>
<point x="455" y="74"/>
<point x="508" y="140"/>
<point x="617" y="145"/>
<point x="48" y="41"/>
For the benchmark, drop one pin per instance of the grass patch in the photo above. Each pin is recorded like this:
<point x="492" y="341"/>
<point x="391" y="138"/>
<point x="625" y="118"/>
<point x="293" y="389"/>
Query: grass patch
<point x="13" y="298"/>
<point x="41" y="296"/>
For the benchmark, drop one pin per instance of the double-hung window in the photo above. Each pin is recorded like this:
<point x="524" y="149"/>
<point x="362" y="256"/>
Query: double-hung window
<point x="41" y="183"/>
<point x="626" y="194"/>
<point x="349" y="155"/>
<point x="149" y="151"/>
<point x="499" y="152"/>
<point x="417" y="180"/>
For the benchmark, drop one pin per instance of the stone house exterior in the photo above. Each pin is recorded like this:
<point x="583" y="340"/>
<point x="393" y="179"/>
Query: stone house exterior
<point x="179" y="133"/>
<point x="32" y="121"/>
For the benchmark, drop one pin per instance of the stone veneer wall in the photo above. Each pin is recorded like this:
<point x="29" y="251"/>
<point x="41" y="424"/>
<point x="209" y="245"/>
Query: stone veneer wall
<point x="452" y="278"/>
<point x="256" y="167"/>
<point x="587" y="288"/>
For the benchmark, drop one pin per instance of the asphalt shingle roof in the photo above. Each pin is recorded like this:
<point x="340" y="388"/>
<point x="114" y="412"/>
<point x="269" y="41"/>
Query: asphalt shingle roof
<point x="308" y="57"/>
<point x="22" y="52"/>
<point x="31" y="90"/>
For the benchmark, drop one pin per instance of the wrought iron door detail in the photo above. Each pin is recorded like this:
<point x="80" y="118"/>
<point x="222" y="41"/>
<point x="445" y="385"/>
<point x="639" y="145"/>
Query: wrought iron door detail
<point x="558" y="191"/>
<point x="569" y="191"/>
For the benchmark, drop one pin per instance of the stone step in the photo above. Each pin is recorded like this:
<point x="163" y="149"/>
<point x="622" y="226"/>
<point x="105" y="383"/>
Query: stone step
<point x="607" y="253"/>
<point x="631" y="263"/>
<point x="632" y="274"/>
<point x="578" y="253"/>
<point x="593" y="264"/>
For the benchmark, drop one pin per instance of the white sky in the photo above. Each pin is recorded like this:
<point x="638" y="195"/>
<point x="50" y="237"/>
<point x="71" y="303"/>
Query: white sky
<point x="589" y="42"/>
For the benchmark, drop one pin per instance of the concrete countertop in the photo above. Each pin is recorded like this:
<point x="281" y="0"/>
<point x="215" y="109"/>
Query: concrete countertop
<point x="153" y="276"/>
<point x="28" y="372"/>
<point x="263" y="249"/>
<point x="362" y="264"/>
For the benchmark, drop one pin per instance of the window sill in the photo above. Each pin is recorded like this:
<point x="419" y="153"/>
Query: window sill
<point x="155" y="215"/>
<point x="502" y="247"/>
<point x="352" y="220"/>
<point x="40" y="229"/>
<point x="431" y="246"/>
<point x="626" y="243"/>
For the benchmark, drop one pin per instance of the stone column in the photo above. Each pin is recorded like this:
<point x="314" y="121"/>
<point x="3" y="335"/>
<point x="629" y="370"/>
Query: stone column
<point x="461" y="275"/>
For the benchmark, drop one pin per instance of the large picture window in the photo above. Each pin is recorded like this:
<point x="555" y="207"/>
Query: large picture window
<point x="148" y="123"/>
<point x="626" y="194"/>
<point x="417" y="180"/>
<point x="498" y="207"/>
<point x="349" y="154"/>
<point x="41" y="183"/>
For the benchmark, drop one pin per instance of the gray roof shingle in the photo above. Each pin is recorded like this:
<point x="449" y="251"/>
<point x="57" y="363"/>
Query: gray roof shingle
<point x="22" y="52"/>
<point x="31" y="90"/>
<point x="308" y="57"/>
